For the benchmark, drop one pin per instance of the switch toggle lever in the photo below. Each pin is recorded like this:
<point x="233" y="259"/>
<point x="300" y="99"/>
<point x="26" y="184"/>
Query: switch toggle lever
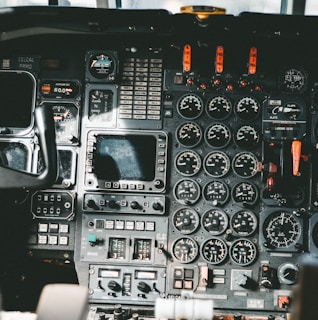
<point x="296" y="152"/>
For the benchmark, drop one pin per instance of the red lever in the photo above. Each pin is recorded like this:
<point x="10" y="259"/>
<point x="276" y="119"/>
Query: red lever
<point x="296" y="153"/>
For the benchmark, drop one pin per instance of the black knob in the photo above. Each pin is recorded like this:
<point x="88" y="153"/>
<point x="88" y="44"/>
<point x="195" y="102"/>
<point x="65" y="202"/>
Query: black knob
<point x="157" y="206"/>
<point x="237" y="316"/>
<point x="134" y="205"/>
<point x="114" y="286"/>
<point x="112" y="204"/>
<point x="92" y="204"/>
<point x="143" y="287"/>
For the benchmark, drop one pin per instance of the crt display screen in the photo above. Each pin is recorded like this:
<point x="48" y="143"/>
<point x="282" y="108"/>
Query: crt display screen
<point x="16" y="99"/>
<point x="131" y="157"/>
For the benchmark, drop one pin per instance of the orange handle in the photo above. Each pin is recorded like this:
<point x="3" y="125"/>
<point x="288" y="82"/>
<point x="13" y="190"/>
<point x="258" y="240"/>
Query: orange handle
<point x="296" y="152"/>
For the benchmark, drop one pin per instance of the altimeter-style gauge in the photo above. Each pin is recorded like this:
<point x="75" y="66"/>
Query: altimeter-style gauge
<point x="243" y="252"/>
<point x="214" y="251"/>
<point x="185" y="249"/>
<point x="293" y="80"/>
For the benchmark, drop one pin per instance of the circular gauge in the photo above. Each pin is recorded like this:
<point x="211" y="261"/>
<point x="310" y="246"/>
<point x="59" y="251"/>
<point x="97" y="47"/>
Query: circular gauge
<point x="185" y="249"/>
<point x="190" y="106"/>
<point x="189" y="134"/>
<point x="65" y="117"/>
<point x="186" y="220"/>
<point x="187" y="191"/>
<point x="217" y="164"/>
<point x="215" y="221"/>
<point x="214" y="251"/>
<point x="243" y="223"/>
<point x="247" y="108"/>
<point x="101" y="65"/>
<point x="217" y="192"/>
<point x="288" y="273"/>
<point x="293" y="80"/>
<point x="292" y="111"/>
<point x="243" y="252"/>
<point x="247" y="137"/>
<point x="188" y="163"/>
<point x="245" y="192"/>
<point x="245" y="165"/>
<point x="219" y="107"/>
<point x="282" y="230"/>
<point x="218" y="135"/>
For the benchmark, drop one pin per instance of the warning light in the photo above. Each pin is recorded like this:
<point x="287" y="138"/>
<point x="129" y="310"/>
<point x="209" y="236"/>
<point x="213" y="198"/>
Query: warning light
<point x="187" y="58"/>
<point x="219" y="59"/>
<point x="252" y="61"/>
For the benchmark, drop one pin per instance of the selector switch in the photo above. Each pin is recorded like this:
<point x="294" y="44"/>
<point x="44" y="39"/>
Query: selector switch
<point x="143" y="287"/>
<point x="114" y="286"/>
<point x="135" y="205"/>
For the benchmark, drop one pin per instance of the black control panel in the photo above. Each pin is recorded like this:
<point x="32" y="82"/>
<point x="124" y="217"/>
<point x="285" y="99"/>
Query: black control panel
<point x="186" y="158"/>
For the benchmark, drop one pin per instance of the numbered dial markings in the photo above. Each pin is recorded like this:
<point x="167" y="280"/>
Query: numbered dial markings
<point x="217" y="192"/>
<point x="219" y="107"/>
<point x="245" y="165"/>
<point x="189" y="134"/>
<point x="282" y="230"/>
<point x="187" y="191"/>
<point x="218" y="135"/>
<point x="190" y="106"/>
<point x="245" y="192"/>
<point x="243" y="252"/>
<point x="214" y="251"/>
<point x="293" y="80"/>
<point x="247" y="108"/>
<point x="188" y="163"/>
<point x="217" y="164"/>
<point x="247" y="137"/>
<point x="185" y="249"/>
<point x="243" y="223"/>
<point x="186" y="220"/>
<point x="215" y="221"/>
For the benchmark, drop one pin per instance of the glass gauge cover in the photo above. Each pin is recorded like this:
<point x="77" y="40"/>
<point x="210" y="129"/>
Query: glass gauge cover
<point x="282" y="230"/>
<point x="293" y="80"/>
<point x="214" y="251"/>
<point x="245" y="165"/>
<point x="188" y="163"/>
<point x="185" y="249"/>
<point x="247" y="137"/>
<point x="243" y="252"/>
<point x="190" y="106"/>
<point x="215" y="221"/>
<point x="187" y="191"/>
<point x="186" y="220"/>
<point x="245" y="192"/>
<point x="243" y="223"/>
<point x="219" y="107"/>
<point x="102" y="65"/>
<point x="218" y="135"/>
<point x="247" y="108"/>
<point x="217" y="164"/>
<point x="217" y="192"/>
<point x="189" y="134"/>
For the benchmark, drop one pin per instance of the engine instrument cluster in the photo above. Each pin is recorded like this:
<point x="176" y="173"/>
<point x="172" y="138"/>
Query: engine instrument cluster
<point x="177" y="177"/>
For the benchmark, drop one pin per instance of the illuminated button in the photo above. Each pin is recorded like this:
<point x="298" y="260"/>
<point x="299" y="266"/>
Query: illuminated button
<point x="64" y="228"/>
<point x="116" y="185"/>
<point x="178" y="273"/>
<point x="54" y="227"/>
<point x="150" y="226"/>
<point x="132" y="186"/>
<point x="108" y="185"/>
<point x="53" y="240"/>
<point x="130" y="225"/>
<point x="178" y="284"/>
<point x="140" y="186"/>
<point x="63" y="240"/>
<point x="43" y="227"/>
<point x="110" y="224"/>
<point x="119" y="225"/>
<point x="42" y="239"/>
<point x="140" y="225"/>
<point x="188" y="273"/>
<point x="188" y="284"/>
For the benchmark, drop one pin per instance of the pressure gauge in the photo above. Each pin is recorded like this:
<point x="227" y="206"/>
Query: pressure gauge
<point x="217" y="164"/>
<point x="217" y="192"/>
<point x="243" y="223"/>
<point x="219" y="107"/>
<point x="245" y="192"/>
<point x="186" y="220"/>
<point x="245" y="165"/>
<point x="190" y="106"/>
<point x="215" y="221"/>
<point x="214" y="251"/>
<point x="218" y="135"/>
<point x="189" y="134"/>
<point x="187" y="191"/>
<point x="247" y="137"/>
<point x="185" y="249"/>
<point x="188" y="163"/>
<point x="247" y="108"/>
<point x="243" y="252"/>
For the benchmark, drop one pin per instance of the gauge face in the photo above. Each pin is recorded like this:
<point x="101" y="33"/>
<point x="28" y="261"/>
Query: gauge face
<point x="214" y="251"/>
<point x="245" y="192"/>
<point x="185" y="249"/>
<point x="217" y="164"/>
<point x="243" y="252"/>
<point x="101" y="105"/>
<point x="247" y="137"/>
<point x="245" y="165"/>
<point x="215" y="221"/>
<point x="217" y="192"/>
<point x="288" y="273"/>
<point x="243" y="223"/>
<point x="188" y="163"/>
<point x="65" y="117"/>
<point x="190" y="106"/>
<point x="101" y="65"/>
<point x="247" y="108"/>
<point x="219" y="107"/>
<point x="186" y="220"/>
<point x="189" y="134"/>
<point x="292" y="111"/>
<point x="187" y="191"/>
<point x="282" y="230"/>
<point x="293" y="80"/>
<point x="218" y="135"/>
<point x="117" y="248"/>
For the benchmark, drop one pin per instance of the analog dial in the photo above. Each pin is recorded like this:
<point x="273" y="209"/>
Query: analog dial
<point x="217" y="164"/>
<point x="245" y="192"/>
<point x="243" y="252"/>
<point x="188" y="163"/>
<point x="189" y="134"/>
<point x="186" y="220"/>
<point x="218" y="135"/>
<point x="190" y="106"/>
<point x="219" y="107"/>
<point x="217" y="192"/>
<point x="214" y="250"/>
<point x="245" y="165"/>
<point x="187" y="191"/>
<point x="247" y="108"/>
<point x="185" y="249"/>
<point x="243" y="223"/>
<point x="215" y="221"/>
<point x="247" y="137"/>
<point x="282" y="230"/>
<point x="293" y="80"/>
